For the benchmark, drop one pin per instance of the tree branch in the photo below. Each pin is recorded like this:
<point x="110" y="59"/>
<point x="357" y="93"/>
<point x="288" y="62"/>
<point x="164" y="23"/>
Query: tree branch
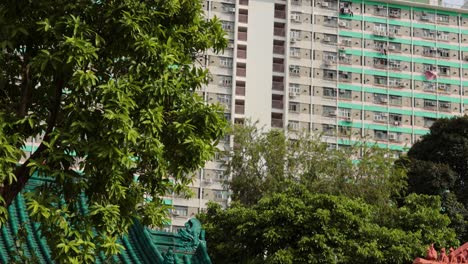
<point x="10" y="190"/>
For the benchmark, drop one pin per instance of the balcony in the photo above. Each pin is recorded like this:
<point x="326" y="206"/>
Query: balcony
<point x="240" y="109"/>
<point x="278" y="49"/>
<point x="240" y="90"/>
<point x="275" y="122"/>
<point x="277" y="104"/>
<point x="278" y="67"/>
<point x="280" y="14"/>
<point x="278" y="86"/>
<point x="241" y="54"/>
<point x="242" y="35"/>
<point x="241" y="72"/>
<point x="279" y="32"/>
<point x="243" y="18"/>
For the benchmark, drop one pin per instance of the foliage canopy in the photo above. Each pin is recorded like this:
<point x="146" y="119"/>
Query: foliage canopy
<point x="299" y="201"/>
<point x="107" y="87"/>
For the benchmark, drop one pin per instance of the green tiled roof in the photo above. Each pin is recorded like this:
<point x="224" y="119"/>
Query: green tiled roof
<point x="142" y="245"/>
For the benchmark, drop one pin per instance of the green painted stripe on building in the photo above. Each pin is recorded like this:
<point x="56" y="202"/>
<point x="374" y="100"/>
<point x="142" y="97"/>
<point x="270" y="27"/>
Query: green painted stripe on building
<point x="371" y="144"/>
<point x="403" y="41"/>
<point x="395" y="129"/>
<point x="374" y="54"/>
<point x="391" y="110"/>
<point x="399" y="75"/>
<point x="399" y="23"/>
<point x="399" y="93"/>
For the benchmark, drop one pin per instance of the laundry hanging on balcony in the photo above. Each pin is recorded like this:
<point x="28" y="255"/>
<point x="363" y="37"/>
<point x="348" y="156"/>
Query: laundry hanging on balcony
<point x="430" y="75"/>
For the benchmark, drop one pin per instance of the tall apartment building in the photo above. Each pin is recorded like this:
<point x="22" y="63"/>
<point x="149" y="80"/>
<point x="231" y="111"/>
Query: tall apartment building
<point x="380" y="70"/>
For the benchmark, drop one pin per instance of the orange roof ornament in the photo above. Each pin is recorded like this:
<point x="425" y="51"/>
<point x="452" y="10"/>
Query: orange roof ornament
<point x="460" y="255"/>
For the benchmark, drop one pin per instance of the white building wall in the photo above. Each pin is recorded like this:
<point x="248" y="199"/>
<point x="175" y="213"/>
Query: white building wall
<point x="259" y="62"/>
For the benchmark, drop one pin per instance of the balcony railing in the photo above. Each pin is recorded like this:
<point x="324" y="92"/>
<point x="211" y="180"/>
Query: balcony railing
<point x="278" y="67"/>
<point x="278" y="49"/>
<point x="278" y="86"/>
<point x="240" y="90"/>
<point x="242" y="36"/>
<point x="243" y="18"/>
<point x="240" y="109"/>
<point x="279" y="32"/>
<point x="241" y="72"/>
<point x="241" y="54"/>
<point x="280" y="14"/>
<point x="275" y="122"/>
<point x="278" y="104"/>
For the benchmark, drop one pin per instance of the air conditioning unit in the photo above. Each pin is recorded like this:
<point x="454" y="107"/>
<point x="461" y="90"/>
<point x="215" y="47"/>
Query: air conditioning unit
<point x="231" y="9"/>
<point x="392" y="136"/>
<point x="324" y="4"/>
<point x="445" y="105"/>
<point x="424" y="17"/>
<point x="327" y="39"/>
<point x="293" y="40"/>
<point x="343" y="24"/>
<point x="342" y="91"/>
<point x="380" y="7"/>
<point x="334" y="113"/>
<point x="432" y="103"/>
<point x="292" y="94"/>
<point x="396" y="123"/>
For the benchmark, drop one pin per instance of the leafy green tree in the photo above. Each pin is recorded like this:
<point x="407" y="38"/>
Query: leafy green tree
<point x="108" y="88"/>
<point x="261" y="161"/>
<point x="438" y="164"/>
<point x="297" y="226"/>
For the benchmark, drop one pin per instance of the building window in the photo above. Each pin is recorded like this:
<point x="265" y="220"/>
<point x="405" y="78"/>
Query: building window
<point x="443" y="18"/>
<point x="394" y="64"/>
<point x="394" y="12"/>
<point x="226" y="62"/>
<point x="429" y="51"/>
<point x="444" y="53"/>
<point x="180" y="211"/>
<point x="329" y="92"/>
<point x="329" y="111"/>
<point x="295" y="52"/>
<point x="442" y="87"/>
<point x="346" y="94"/>
<point x="380" y="98"/>
<point x="329" y="56"/>
<point x="344" y="113"/>
<point x="331" y="21"/>
<point x="444" y="105"/>
<point x="396" y="118"/>
<point x="392" y="46"/>
<point x="294" y="107"/>
<point x="441" y="35"/>
<point x="293" y="125"/>
<point x="295" y="34"/>
<point x="429" y="103"/>
<point x="396" y="100"/>
<point x="429" y="87"/>
<point x="428" y="122"/>
<point x="294" y="70"/>
<point x="329" y="74"/>
<point x="429" y="33"/>
<point x="380" y="134"/>
<point x="224" y="99"/>
<point x="225" y="81"/>
<point x="328" y="130"/>
<point x="345" y="76"/>
<point x="443" y="70"/>
<point x="294" y="89"/>
<point x="380" y="117"/>
<point x="380" y="80"/>
<point x="229" y="8"/>
<point x="296" y="17"/>
<point x="227" y="25"/>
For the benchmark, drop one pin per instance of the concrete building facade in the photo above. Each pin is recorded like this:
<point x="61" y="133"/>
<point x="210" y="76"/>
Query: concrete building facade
<point x="379" y="70"/>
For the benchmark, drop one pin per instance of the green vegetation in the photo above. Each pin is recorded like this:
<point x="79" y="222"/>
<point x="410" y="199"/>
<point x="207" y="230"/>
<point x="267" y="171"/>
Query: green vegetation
<point x="438" y="165"/>
<point x="298" y="201"/>
<point x="96" y="82"/>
